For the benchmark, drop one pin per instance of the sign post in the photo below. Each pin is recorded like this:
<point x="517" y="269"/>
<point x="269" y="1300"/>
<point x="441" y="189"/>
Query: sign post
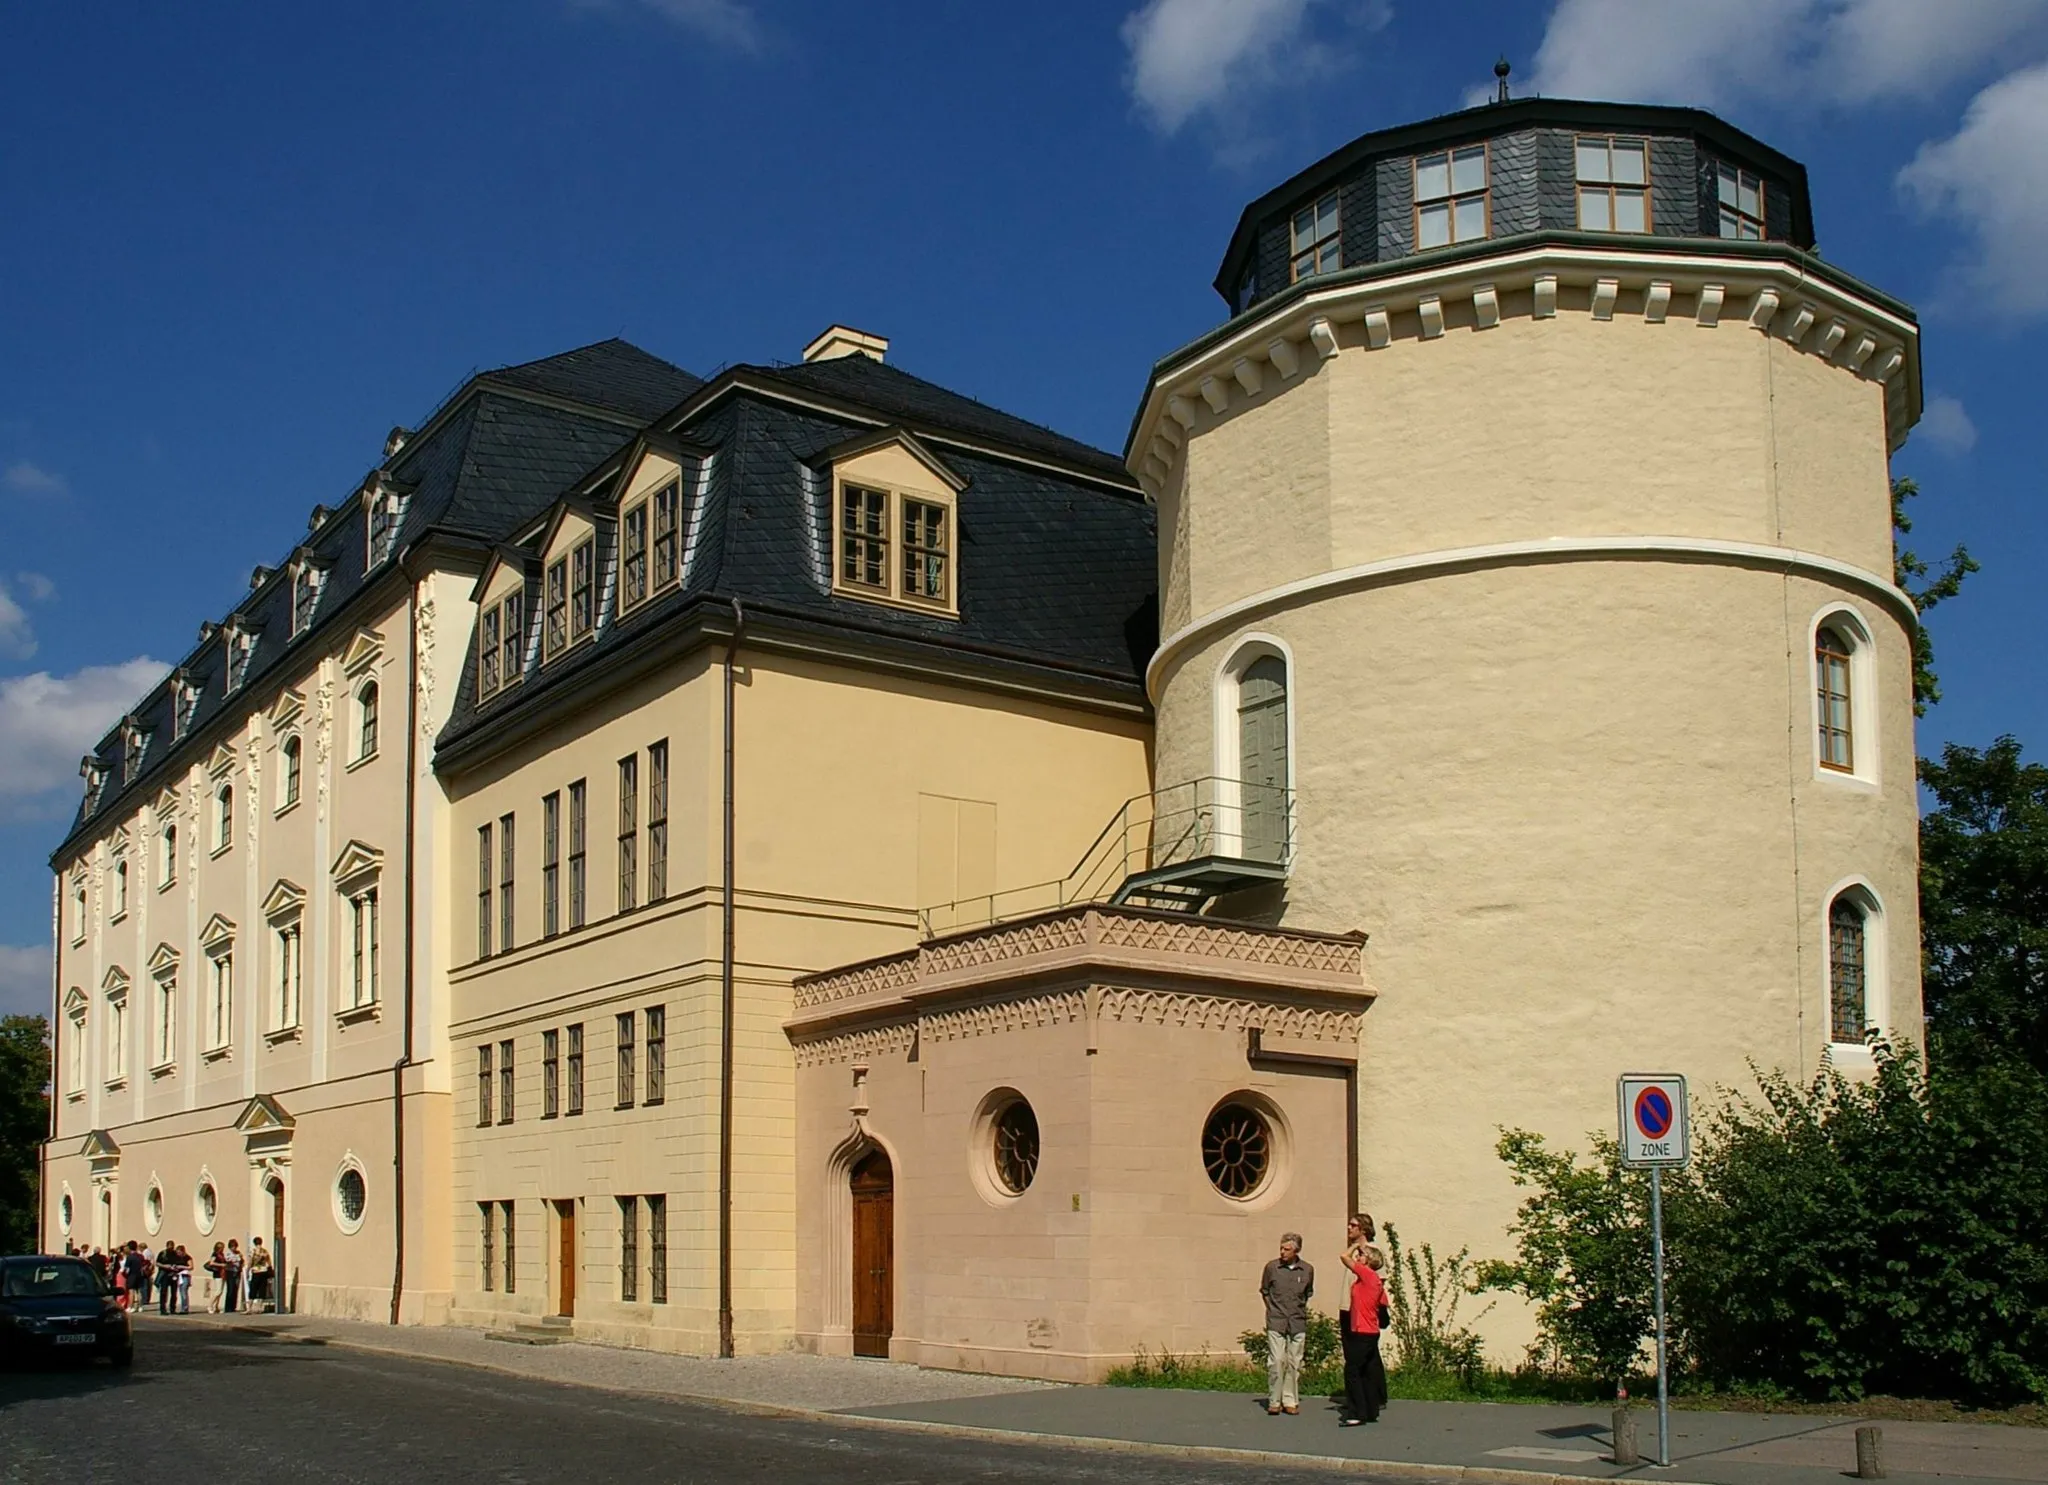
<point x="1656" y="1131"/>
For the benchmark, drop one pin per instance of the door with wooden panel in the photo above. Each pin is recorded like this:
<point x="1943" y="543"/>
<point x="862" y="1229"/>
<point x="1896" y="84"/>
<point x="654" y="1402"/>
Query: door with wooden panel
<point x="565" y="1282"/>
<point x="1262" y="757"/>
<point x="874" y="1255"/>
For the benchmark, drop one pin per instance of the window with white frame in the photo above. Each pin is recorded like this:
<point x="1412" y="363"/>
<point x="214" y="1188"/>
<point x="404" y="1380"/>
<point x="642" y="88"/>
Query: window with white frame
<point x="363" y="947"/>
<point x="74" y="1025"/>
<point x="165" y="1049"/>
<point x="1741" y="197"/>
<point x="306" y="584"/>
<point x="220" y="996"/>
<point x="240" y="644"/>
<point x="287" y="972"/>
<point x="1314" y="236"/>
<point x="555" y="609"/>
<point x="668" y="504"/>
<point x="500" y="635"/>
<point x="223" y="817"/>
<point x="366" y="721"/>
<point x="115" y="1045"/>
<point x="78" y="908"/>
<point x="290" y="771"/>
<point x="582" y="588"/>
<point x="1833" y="656"/>
<point x="134" y="749"/>
<point x="385" y="507"/>
<point x="1849" y="965"/>
<point x="1451" y="202"/>
<point x="633" y="556"/>
<point x="120" y="876"/>
<point x="185" y="707"/>
<point x="1614" y="183"/>
<point x="167" y="853"/>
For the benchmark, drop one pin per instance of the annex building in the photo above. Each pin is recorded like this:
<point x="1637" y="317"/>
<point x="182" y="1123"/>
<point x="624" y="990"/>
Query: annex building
<point x="806" y="859"/>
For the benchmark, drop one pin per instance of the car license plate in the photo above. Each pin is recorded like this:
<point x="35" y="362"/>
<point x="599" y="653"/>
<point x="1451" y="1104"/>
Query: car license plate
<point x="76" y="1340"/>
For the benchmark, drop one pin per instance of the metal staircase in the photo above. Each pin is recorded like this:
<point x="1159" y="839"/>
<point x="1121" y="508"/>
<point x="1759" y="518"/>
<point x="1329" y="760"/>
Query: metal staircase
<point x="1176" y="849"/>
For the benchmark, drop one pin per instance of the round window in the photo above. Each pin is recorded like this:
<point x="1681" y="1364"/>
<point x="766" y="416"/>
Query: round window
<point x="1016" y="1147"/>
<point x="64" y="1213"/>
<point x="205" y="1206"/>
<point x="1237" y="1150"/>
<point x="153" y="1210"/>
<point x="351" y="1196"/>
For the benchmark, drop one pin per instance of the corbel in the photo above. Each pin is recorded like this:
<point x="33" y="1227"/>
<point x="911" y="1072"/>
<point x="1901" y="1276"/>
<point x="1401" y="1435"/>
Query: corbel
<point x="1485" y="307"/>
<point x="1708" y="311"/>
<point x="1545" y="289"/>
<point x="1246" y="370"/>
<point x="1286" y="360"/>
<point x="1379" y="327"/>
<point x="1605" y="292"/>
<point x="1763" y="309"/>
<point x="1431" y="310"/>
<point x="1656" y="303"/>
<point x="1215" y="394"/>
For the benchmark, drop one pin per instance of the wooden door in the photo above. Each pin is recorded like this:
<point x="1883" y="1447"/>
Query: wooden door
<point x="278" y="1292"/>
<point x="874" y="1255"/>
<point x="565" y="1282"/>
<point x="1262" y="757"/>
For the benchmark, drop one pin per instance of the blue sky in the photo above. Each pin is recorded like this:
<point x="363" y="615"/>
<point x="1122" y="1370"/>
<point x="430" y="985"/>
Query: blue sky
<point x="238" y="244"/>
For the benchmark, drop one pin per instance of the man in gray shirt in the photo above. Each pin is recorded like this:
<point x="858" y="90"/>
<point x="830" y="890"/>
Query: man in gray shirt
<point x="1286" y="1286"/>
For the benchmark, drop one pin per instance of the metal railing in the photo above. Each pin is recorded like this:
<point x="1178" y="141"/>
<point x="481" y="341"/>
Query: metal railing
<point x="1205" y="819"/>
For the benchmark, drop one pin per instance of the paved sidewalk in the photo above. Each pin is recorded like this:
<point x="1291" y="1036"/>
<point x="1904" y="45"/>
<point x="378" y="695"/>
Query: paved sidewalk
<point x="1472" y="1441"/>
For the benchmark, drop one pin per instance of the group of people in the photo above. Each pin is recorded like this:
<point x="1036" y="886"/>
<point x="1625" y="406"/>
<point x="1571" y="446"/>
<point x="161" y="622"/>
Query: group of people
<point x="1288" y="1284"/>
<point x="232" y="1280"/>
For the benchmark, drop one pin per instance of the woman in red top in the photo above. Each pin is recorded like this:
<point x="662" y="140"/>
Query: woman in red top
<point x="1365" y="1376"/>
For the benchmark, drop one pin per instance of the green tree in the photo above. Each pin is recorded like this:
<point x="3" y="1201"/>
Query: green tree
<point x="1582" y="1254"/>
<point x="1910" y="571"/>
<point x="1984" y="905"/>
<point x="24" y="1123"/>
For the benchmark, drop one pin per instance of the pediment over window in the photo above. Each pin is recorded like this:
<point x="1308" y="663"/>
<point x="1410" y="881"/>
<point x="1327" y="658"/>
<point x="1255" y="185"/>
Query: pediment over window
<point x="364" y="651"/>
<point x="164" y="960"/>
<point x="503" y="573"/>
<point x="871" y="453"/>
<point x="355" y="861"/>
<point x="74" y="1002"/>
<point x="222" y="761"/>
<point x="263" y="1114"/>
<point x="166" y="804"/>
<point x="288" y="705"/>
<point x="217" y="932"/>
<point x="568" y="524"/>
<point x="100" y="1145"/>
<point x="286" y="899"/>
<point x="652" y="461"/>
<point x="117" y="843"/>
<point x="115" y="984"/>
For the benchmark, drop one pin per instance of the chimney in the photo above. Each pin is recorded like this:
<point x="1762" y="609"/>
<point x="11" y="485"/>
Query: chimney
<point x="844" y="340"/>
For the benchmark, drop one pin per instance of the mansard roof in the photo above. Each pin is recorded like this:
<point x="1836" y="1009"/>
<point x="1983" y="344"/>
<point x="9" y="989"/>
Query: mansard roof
<point x="1057" y="557"/>
<point x="485" y="463"/>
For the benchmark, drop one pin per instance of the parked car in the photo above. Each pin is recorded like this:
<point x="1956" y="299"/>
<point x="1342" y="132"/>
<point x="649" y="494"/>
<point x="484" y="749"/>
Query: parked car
<point x="52" y="1306"/>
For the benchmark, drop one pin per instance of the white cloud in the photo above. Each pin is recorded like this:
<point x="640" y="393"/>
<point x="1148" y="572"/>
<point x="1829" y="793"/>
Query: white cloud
<point x="1991" y="178"/>
<point x="25" y="478"/>
<point x="24" y="980"/>
<point x="1192" y="56"/>
<point x="48" y="721"/>
<point x="729" y="23"/>
<point x="17" y="635"/>
<point x="36" y="587"/>
<point x="1945" y="423"/>
<point x="1827" y="51"/>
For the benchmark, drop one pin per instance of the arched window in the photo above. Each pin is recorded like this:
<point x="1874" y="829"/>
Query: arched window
<point x="1848" y="971"/>
<point x="288" y="772"/>
<point x="224" y="817"/>
<point x="366" y="720"/>
<point x="1833" y="654"/>
<point x="1262" y="757"/>
<point x="167" y="870"/>
<point x="120" y="887"/>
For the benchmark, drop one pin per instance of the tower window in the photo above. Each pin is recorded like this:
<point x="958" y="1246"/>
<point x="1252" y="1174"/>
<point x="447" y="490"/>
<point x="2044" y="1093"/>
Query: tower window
<point x="1832" y="652"/>
<point x="1741" y="194"/>
<point x="1848" y="972"/>
<point x="1613" y="184"/>
<point x="1315" y="239"/>
<point x="1450" y="197"/>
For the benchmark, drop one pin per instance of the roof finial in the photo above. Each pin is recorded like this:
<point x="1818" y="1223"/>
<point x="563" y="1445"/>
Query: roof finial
<point x="1501" y="71"/>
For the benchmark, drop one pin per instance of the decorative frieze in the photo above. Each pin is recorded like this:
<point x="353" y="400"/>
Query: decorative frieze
<point x="866" y="1044"/>
<point x="1226" y="1013"/>
<point x="1061" y="1008"/>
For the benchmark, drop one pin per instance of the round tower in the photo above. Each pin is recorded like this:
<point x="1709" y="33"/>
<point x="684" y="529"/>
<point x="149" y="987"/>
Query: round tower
<point x="1541" y="475"/>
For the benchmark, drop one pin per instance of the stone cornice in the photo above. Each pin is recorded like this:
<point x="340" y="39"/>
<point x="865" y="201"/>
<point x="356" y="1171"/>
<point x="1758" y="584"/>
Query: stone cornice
<point x="1779" y="292"/>
<point x="1419" y="565"/>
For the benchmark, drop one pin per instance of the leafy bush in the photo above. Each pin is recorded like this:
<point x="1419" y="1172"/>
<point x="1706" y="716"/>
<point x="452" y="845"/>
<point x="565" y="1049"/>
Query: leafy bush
<point x="1322" y="1349"/>
<point x="1423" y="1295"/>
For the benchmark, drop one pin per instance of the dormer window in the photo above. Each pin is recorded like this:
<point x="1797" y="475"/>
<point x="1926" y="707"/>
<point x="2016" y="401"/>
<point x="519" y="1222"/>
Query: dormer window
<point x="582" y="589"/>
<point x="184" y="705"/>
<point x="667" y="504"/>
<point x="1613" y="179"/>
<point x="556" y="608"/>
<point x="134" y="748"/>
<point x="384" y="508"/>
<point x="95" y="774"/>
<point x="1742" y="203"/>
<point x="241" y="643"/>
<point x="895" y="545"/>
<point x="633" y="556"/>
<point x="1247" y="289"/>
<point x="1316" y="246"/>
<point x="500" y="636"/>
<point x="306" y="584"/>
<point x="1450" y="197"/>
<point x="926" y="556"/>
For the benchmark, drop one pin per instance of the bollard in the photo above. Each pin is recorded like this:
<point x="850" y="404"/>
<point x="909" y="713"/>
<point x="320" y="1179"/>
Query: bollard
<point x="1625" y="1437"/>
<point x="1869" y="1453"/>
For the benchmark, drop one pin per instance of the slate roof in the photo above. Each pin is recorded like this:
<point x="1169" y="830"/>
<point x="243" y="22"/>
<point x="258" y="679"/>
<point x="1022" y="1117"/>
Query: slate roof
<point x="1056" y="574"/>
<point x="485" y="464"/>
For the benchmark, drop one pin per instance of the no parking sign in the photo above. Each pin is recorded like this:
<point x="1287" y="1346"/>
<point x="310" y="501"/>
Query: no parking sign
<point x="1655" y="1126"/>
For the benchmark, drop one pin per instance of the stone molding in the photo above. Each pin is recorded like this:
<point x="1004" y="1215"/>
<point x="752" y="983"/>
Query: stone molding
<point x="865" y="1044"/>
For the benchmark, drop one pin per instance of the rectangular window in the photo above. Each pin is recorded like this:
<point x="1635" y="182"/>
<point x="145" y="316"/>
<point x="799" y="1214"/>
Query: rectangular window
<point x="657" y="821"/>
<point x="488" y="653"/>
<point x="864" y="538"/>
<point x="1317" y="247"/>
<point x="221" y="1009"/>
<point x="1614" y="181"/>
<point x="1741" y="195"/>
<point x="629" y="1248"/>
<point x="576" y="1068"/>
<point x="288" y="976"/>
<point x="633" y="556"/>
<point x="512" y="645"/>
<point x="625" y="1090"/>
<point x="555" y="608"/>
<point x="924" y="551"/>
<point x="511" y="1259"/>
<point x="582" y="589"/>
<point x="657" y="1249"/>
<point x="484" y="868"/>
<point x="551" y="864"/>
<point x="305" y="598"/>
<point x="550" y="1074"/>
<point x="577" y="822"/>
<point x="363" y="943"/>
<point x="505" y="1083"/>
<point x="629" y="830"/>
<point x="667" y="523"/>
<point x="166" y="1019"/>
<point x="506" y="938"/>
<point x="657" y="1053"/>
<point x="487" y="1213"/>
<point x="1450" y="197"/>
<point x="240" y="645"/>
<point x="483" y="1085"/>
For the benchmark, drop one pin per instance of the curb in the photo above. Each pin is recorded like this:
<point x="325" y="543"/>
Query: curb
<point x="1402" y="1469"/>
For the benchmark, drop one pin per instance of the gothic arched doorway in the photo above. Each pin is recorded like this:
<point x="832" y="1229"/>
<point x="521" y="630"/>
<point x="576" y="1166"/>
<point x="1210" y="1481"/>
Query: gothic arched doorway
<point x="873" y="1183"/>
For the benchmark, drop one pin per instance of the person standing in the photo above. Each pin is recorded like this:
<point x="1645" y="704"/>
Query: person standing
<point x="259" y="1276"/>
<point x="1286" y="1285"/>
<point x="166" y="1276"/>
<point x="184" y="1298"/>
<point x="1365" y="1377"/>
<point x="137" y="1264"/>
<point x="231" y="1276"/>
<point x="216" y="1277"/>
